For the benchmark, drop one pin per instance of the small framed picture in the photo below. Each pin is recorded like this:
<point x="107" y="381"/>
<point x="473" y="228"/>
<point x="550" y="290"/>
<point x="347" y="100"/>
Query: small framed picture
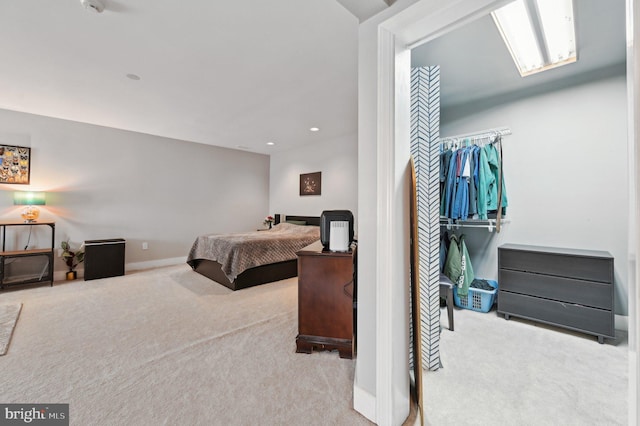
<point x="15" y="164"/>
<point x="311" y="183"/>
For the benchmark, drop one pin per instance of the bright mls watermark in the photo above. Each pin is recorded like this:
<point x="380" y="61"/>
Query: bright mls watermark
<point x="34" y="414"/>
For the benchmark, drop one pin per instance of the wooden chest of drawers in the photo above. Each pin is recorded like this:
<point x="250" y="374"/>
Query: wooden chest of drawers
<point x="568" y="288"/>
<point x="326" y="294"/>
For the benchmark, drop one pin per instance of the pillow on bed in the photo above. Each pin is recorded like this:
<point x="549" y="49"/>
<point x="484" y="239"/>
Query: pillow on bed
<point x="296" y="222"/>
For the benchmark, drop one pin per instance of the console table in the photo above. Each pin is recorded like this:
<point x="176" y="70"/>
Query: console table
<point x="568" y="288"/>
<point x="326" y="295"/>
<point x="28" y="254"/>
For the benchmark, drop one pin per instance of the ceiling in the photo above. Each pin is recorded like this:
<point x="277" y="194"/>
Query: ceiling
<point x="475" y="65"/>
<point x="236" y="74"/>
<point x="365" y="9"/>
<point x="242" y="73"/>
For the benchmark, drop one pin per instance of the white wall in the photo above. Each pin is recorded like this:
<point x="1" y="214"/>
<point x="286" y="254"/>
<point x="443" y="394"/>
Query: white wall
<point x="368" y="365"/>
<point x="107" y="183"/>
<point x="365" y="377"/>
<point x="337" y="159"/>
<point x="566" y="173"/>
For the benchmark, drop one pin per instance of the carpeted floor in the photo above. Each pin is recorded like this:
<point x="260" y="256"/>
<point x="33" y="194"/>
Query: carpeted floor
<point x="517" y="372"/>
<point x="169" y="346"/>
<point x="8" y="317"/>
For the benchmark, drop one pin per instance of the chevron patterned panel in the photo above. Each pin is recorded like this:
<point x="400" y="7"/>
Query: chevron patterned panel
<point x="425" y="133"/>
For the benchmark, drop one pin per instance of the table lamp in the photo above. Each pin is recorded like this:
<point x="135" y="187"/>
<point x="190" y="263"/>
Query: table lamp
<point x="29" y="199"/>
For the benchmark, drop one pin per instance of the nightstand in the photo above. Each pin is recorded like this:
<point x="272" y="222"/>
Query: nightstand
<point x="326" y="299"/>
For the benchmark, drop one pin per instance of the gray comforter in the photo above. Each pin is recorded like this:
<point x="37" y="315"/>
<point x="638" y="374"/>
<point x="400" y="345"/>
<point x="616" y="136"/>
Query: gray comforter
<point x="239" y="252"/>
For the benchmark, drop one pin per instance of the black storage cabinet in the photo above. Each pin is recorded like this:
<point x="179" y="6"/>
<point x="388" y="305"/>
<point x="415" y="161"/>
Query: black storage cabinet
<point x="103" y="258"/>
<point x="565" y="287"/>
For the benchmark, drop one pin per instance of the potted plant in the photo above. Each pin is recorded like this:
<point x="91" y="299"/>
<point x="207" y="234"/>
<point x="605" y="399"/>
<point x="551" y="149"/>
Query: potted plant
<point x="72" y="259"/>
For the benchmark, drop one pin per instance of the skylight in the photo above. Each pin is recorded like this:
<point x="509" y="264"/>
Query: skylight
<point x="540" y="34"/>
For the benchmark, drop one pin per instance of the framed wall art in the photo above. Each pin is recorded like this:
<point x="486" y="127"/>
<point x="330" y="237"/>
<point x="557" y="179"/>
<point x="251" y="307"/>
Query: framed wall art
<point x="15" y="164"/>
<point x="311" y="183"/>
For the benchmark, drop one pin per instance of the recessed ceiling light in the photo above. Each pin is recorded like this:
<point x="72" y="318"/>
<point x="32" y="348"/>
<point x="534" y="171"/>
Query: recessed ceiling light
<point x="314" y="129"/>
<point x="93" y="5"/>
<point x="133" y="77"/>
<point x="243" y="147"/>
<point x="271" y="143"/>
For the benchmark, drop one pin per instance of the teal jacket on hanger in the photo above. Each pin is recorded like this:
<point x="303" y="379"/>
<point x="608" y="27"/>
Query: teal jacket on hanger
<point x="489" y="164"/>
<point x="494" y="164"/>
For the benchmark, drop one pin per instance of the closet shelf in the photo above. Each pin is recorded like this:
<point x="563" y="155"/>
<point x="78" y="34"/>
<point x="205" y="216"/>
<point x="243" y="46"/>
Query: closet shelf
<point x="490" y="224"/>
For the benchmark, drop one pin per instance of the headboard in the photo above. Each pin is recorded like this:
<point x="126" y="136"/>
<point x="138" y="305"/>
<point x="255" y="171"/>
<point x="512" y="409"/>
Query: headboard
<point x="311" y="220"/>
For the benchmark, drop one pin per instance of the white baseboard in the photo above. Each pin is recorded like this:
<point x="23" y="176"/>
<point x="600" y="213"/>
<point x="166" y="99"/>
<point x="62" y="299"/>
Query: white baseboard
<point x="621" y="322"/>
<point x="134" y="266"/>
<point x="364" y="403"/>
<point x="137" y="266"/>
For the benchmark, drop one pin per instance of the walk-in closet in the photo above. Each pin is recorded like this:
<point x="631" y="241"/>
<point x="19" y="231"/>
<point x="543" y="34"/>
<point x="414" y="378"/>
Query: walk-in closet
<point x="560" y="137"/>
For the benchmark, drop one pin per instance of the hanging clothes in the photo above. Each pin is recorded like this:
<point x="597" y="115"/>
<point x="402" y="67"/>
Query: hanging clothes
<point x="493" y="159"/>
<point x="460" y="208"/>
<point x="444" y="248"/>
<point x="448" y="196"/>
<point x="458" y="265"/>
<point x="469" y="180"/>
<point x="445" y="158"/>
<point x="473" y="188"/>
<point x="486" y="183"/>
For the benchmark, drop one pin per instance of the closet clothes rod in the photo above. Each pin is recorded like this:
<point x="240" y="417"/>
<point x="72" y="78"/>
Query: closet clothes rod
<point x="483" y="134"/>
<point x="488" y="224"/>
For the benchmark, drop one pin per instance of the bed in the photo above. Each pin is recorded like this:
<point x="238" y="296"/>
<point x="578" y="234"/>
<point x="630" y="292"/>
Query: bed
<point x="244" y="260"/>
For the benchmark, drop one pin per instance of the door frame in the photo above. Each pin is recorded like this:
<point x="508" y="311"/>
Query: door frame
<point x="421" y="22"/>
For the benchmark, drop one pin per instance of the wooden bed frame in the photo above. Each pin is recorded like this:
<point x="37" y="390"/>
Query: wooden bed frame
<point x="258" y="275"/>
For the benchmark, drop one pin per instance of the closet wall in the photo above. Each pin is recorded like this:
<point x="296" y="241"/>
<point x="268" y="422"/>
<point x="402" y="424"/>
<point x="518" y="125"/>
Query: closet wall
<point x="566" y="172"/>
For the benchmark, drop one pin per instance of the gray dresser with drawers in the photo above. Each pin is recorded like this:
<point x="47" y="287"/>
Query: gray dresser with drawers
<point x="568" y="288"/>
